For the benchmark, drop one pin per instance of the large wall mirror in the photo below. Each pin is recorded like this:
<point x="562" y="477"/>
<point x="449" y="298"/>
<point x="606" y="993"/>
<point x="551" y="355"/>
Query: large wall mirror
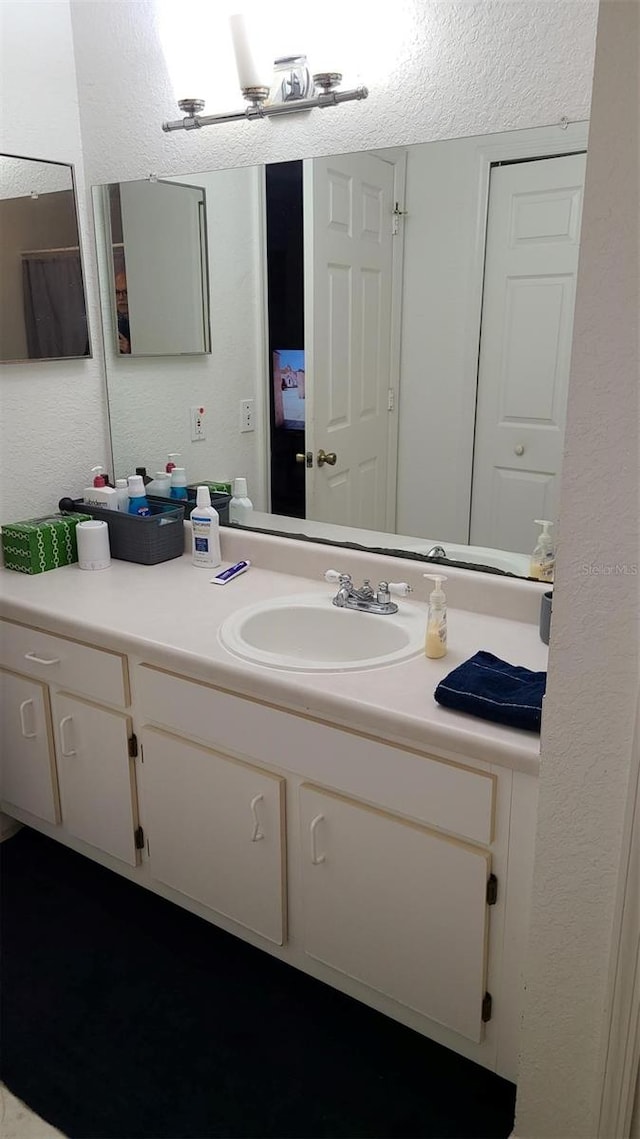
<point x="42" y="309"/>
<point x="400" y="321"/>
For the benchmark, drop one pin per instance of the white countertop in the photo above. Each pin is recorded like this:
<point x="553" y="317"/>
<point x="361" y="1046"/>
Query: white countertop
<point x="169" y="615"/>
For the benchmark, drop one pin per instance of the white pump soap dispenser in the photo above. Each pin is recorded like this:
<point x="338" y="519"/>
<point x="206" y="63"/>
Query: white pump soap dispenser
<point x="435" y="645"/>
<point x="543" y="557"/>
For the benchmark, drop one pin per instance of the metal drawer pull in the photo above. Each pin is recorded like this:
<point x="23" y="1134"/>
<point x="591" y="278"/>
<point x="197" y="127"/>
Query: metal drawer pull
<point x="41" y="660"/>
<point x="257" y="833"/>
<point x="315" y="857"/>
<point x="65" y="750"/>
<point x="23" y="723"/>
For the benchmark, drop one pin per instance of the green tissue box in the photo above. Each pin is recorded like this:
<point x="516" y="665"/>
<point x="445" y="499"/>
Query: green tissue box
<point x="41" y="544"/>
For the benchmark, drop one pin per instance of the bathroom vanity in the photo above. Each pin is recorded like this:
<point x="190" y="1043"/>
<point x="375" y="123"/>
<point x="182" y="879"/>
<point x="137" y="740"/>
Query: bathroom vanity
<point x="338" y="819"/>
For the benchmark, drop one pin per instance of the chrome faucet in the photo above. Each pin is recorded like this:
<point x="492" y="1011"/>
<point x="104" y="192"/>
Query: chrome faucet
<point x="436" y="552"/>
<point x="366" y="599"/>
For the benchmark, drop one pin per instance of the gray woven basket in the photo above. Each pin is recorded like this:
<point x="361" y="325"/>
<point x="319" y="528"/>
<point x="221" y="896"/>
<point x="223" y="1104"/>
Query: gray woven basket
<point x="132" y="538"/>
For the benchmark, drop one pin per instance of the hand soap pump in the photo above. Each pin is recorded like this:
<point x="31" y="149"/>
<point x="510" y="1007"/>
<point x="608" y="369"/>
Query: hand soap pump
<point x="100" y="494"/>
<point x="205" y="531"/>
<point x="170" y="463"/>
<point x="435" y="645"/>
<point x="543" y="557"/>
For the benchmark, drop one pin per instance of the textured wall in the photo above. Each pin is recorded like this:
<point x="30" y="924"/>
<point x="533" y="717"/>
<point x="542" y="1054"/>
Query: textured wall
<point x="593" y="676"/>
<point x="53" y="427"/>
<point x="437" y="70"/>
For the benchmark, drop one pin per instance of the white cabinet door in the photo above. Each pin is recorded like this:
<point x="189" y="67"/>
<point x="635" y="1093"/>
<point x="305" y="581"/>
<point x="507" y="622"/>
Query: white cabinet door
<point x="215" y="829"/>
<point x="97" y="782"/>
<point x="27" y="767"/>
<point x="397" y="907"/>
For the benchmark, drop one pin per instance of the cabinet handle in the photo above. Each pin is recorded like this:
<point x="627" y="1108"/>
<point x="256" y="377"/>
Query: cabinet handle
<point x="257" y="833"/>
<point x="315" y="857"/>
<point x="41" y="660"/>
<point x="23" y="723"/>
<point x="65" y="750"/>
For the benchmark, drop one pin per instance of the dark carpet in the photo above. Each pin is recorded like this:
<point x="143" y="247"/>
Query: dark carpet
<point x="124" y="1016"/>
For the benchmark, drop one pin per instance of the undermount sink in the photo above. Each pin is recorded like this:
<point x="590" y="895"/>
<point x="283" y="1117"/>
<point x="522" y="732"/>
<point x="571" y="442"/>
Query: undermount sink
<point x="308" y="634"/>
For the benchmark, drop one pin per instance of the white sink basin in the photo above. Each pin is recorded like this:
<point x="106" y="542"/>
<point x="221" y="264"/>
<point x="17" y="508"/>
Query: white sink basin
<point x="309" y="634"/>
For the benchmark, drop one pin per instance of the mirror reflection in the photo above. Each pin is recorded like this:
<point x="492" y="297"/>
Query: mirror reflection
<point x="42" y="307"/>
<point x="158" y="234"/>
<point x="391" y="345"/>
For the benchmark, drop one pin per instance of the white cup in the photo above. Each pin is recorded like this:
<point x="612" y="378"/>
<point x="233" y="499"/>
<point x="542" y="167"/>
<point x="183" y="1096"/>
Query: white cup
<point x="93" y="545"/>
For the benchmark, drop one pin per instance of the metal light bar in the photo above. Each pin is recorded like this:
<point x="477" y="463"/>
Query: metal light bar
<point x="259" y="109"/>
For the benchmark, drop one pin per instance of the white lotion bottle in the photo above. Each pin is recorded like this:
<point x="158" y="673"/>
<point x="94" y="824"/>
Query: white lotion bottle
<point x="435" y="645"/>
<point x="205" y="531"/>
<point x="122" y="495"/>
<point x="241" y="505"/>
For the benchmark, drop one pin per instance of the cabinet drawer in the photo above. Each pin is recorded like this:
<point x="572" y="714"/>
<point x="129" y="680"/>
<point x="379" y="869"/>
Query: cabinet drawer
<point x="449" y="796"/>
<point x="65" y="663"/>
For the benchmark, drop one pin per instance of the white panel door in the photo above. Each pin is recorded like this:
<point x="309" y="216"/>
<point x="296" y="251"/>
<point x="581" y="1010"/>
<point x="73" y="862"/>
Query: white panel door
<point x="215" y="829"/>
<point x="525" y="348"/>
<point x="348" y="204"/>
<point x="96" y="776"/>
<point x="396" y="906"/>
<point x="27" y="764"/>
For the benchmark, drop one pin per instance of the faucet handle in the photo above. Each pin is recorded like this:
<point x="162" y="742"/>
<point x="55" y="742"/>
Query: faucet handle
<point x="336" y="576"/>
<point x="399" y="588"/>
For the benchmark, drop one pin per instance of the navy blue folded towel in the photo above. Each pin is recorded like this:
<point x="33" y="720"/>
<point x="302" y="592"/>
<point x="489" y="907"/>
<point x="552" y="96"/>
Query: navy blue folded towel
<point x="495" y="690"/>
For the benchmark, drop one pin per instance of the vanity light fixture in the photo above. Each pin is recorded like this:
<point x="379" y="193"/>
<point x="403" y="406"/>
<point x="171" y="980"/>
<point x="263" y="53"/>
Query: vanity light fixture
<point x="258" y="108"/>
<point x="256" y="91"/>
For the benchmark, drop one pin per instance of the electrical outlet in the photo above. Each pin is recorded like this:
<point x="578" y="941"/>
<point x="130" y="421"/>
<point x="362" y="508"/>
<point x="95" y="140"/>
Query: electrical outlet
<point x="197" y="424"/>
<point x="246" y="415"/>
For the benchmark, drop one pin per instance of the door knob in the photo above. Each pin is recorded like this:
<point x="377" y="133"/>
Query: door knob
<point x="329" y="457"/>
<point x="305" y="457"/>
<point x="518" y="449"/>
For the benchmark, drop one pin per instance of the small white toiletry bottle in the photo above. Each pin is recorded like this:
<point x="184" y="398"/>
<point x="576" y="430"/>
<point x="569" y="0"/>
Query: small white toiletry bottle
<point x="240" y="506"/>
<point x="160" y="484"/>
<point x="543" y="558"/>
<point x="178" y="484"/>
<point x="138" y="502"/>
<point x="122" y="495"/>
<point x="205" y="531"/>
<point x="100" y="494"/>
<point x="435" y="645"/>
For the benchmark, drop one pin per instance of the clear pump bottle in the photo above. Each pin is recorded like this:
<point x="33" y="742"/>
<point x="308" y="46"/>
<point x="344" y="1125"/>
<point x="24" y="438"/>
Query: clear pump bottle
<point x="435" y="645"/>
<point x="543" y="557"/>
